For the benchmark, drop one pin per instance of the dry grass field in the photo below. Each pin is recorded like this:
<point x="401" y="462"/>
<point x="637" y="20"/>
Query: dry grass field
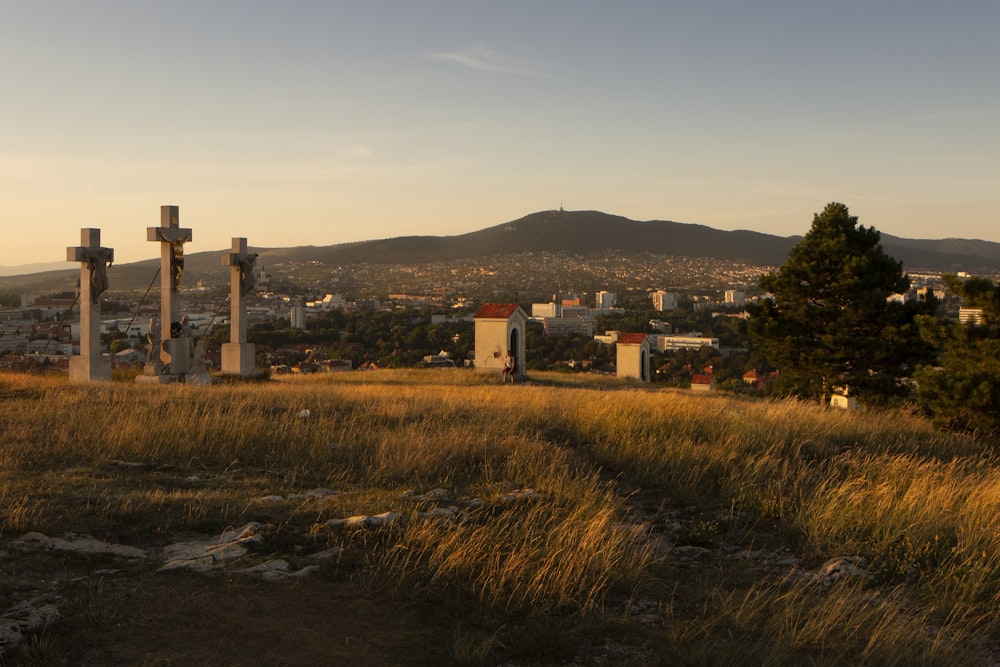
<point x="556" y="522"/>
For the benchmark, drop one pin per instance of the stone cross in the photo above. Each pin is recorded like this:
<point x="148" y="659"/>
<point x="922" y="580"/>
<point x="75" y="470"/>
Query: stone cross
<point x="241" y="283"/>
<point x="94" y="260"/>
<point x="171" y="236"/>
<point x="238" y="355"/>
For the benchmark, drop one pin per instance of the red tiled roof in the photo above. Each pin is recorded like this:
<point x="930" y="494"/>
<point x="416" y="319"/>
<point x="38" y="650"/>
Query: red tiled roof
<point x="702" y="379"/>
<point x="496" y="310"/>
<point x="631" y="338"/>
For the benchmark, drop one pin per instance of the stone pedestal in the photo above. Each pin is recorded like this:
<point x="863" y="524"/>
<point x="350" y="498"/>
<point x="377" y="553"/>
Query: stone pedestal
<point x="152" y="374"/>
<point x="89" y="369"/>
<point x="198" y="378"/>
<point x="238" y="359"/>
<point x="176" y="355"/>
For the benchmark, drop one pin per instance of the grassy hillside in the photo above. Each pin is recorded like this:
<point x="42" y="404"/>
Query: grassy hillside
<point x="542" y="524"/>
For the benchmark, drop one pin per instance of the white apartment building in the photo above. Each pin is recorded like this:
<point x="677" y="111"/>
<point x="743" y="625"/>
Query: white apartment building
<point x="551" y="309"/>
<point x="328" y="302"/>
<point x="676" y="342"/>
<point x="661" y="326"/>
<point x="575" y="311"/>
<point x="970" y="316"/>
<point x="567" y="326"/>
<point x="297" y="318"/>
<point x="664" y="300"/>
<point x="605" y="300"/>
<point x="735" y="297"/>
<point x="608" y="337"/>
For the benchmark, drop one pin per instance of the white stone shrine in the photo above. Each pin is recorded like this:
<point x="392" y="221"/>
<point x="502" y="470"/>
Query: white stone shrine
<point x="91" y="365"/>
<point x="500" y="327"/>
<point x="632" y="356"/>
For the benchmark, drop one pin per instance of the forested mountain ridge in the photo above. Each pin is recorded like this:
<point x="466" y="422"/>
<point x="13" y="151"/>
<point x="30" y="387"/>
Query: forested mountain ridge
<point x="585" y="233"/>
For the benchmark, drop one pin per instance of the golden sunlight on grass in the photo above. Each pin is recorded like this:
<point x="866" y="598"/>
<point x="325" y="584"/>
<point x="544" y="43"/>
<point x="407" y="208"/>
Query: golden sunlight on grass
<point x="551" y="500"/>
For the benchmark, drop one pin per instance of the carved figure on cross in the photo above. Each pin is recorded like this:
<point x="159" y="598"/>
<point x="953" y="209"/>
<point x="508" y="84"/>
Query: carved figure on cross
<point x="248" y="280"/>
<point x="177" y="261"/>
<point x="173" y="236"/>
<point x="96" y="259"/>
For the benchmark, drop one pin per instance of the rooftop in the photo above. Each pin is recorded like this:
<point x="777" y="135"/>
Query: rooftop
<point x="496" y="310"/>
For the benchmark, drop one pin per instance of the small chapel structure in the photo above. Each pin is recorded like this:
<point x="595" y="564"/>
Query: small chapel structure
<point x="500" y="327"/>
<point x="633" y="351"/>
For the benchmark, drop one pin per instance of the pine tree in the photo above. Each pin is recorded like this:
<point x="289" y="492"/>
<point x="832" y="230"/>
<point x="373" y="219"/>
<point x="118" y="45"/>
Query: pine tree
<point x="962" y="391"/>
<point x="830" y="323"/>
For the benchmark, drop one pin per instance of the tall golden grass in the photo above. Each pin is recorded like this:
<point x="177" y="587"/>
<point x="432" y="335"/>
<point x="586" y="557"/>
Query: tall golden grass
<point x="923" y="507"/>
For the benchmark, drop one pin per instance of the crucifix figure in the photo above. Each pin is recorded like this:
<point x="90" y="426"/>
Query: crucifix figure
<point x="94" y="261"/>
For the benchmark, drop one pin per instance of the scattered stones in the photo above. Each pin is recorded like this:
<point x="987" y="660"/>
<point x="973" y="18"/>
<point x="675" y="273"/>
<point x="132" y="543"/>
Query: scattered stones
<point x="365" y="521"/>
<point x="690" y="553"/>
<point x="208" y="554"/>
<point x="277" y="569"/>
<point x="521" y="495"/>
<point x="769" y="558"/>
<point x="839" y="569"/>
<point x="10" y="634"/>
<point x="26" y="618"/>
<point x="430" y="496"/>
<point x="315" y="494"/>
<point x="73" y="543"/>
<point x="472" y="503"/>
<point x="326" y="554"/>
<point x="450" y="513"/>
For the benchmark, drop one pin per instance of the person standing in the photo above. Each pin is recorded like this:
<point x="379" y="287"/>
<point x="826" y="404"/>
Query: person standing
<point x="508" y="367"/>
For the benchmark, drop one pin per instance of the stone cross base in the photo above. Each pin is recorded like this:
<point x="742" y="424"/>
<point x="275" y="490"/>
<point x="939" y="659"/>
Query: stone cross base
<point x="176" y="355"/>
<point x="150" y="376"/>
<point x="89" y="369"/>
<point x="199" y="378"/>
<point x="153" y="374"/>
<point x="153" y="369"/>
<point x="238" y="359"/>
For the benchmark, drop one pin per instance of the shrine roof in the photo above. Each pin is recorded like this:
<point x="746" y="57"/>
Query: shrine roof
<point x="631" y="338"/>
<point x="496" y="310"/>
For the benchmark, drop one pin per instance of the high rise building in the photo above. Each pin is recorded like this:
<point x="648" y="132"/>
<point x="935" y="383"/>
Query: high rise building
<point x="664" y="300"/>
<point x="605" y="300"/>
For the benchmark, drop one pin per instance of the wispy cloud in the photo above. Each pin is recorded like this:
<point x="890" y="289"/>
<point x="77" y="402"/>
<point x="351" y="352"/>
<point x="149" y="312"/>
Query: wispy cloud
<point x="486" y="60"/>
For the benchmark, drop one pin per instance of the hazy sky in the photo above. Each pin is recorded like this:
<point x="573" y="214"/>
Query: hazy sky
<point x="322" y="122"/>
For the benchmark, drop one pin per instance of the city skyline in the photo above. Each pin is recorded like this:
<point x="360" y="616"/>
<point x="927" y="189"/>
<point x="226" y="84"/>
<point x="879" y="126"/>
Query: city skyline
<point x="320" y="123"/>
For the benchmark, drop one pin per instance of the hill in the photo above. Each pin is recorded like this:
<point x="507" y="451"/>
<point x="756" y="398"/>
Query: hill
<point x="584" y="233"/>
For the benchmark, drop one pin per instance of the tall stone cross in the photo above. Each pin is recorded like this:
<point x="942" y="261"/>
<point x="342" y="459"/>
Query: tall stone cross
<point x="238" y="355"/>
<point x="90" y="366"/>
<point x="172" y="238"/>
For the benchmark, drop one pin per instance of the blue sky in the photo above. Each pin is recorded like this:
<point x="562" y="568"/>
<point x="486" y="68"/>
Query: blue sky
<point x="306" y="122"/>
